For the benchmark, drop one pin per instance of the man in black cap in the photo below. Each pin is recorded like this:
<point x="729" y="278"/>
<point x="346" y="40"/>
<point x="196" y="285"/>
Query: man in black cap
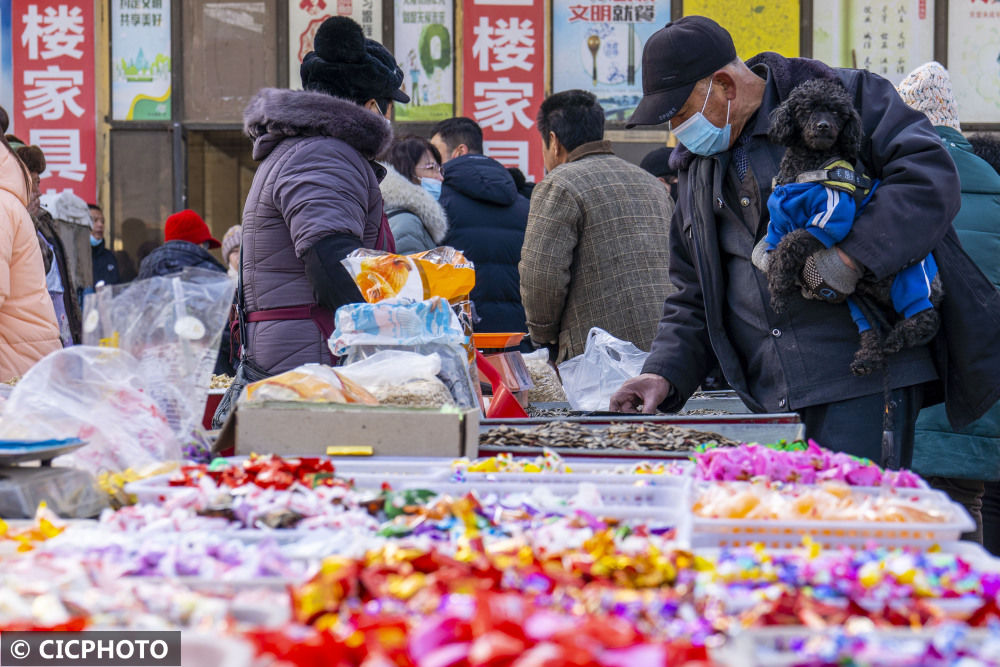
<point x="718" y="108"/>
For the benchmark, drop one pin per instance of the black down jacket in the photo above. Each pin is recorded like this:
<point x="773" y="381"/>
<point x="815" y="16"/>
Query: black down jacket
<point x="488" y="217"/>
<point x="173" y="256"/>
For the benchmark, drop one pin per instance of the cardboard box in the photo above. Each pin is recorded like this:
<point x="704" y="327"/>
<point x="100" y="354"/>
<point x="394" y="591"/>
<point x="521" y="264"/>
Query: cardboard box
<point x="291" y="428"/>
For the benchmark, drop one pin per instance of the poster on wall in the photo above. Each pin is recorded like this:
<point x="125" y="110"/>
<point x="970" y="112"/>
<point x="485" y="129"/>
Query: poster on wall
<point x="424" y="45"/>
<point x="140" y="60"/>
<point x="763" y="25"/>
<point x="306" y="16"/>
<point x="55" y="104"/>
<point x="503" y="78"/>
<point x="974" y="59"/>
<point x="888" y="37"/>
<point x="6" y="75"/>
<point x="597" y="46"/>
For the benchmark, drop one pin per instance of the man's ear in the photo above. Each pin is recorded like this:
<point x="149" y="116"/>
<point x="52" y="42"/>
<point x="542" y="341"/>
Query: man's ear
<point x="459" y="151"/>
<point x="553" y="142"/>
<point x="723" y="79"/>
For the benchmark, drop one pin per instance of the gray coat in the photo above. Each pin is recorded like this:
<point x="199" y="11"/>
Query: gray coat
<point x="417" y="221"/>
<point x="315" y="179"/>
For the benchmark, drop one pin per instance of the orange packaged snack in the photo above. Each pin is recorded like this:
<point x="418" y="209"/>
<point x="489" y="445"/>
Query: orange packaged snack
<point x="443" y="272"/>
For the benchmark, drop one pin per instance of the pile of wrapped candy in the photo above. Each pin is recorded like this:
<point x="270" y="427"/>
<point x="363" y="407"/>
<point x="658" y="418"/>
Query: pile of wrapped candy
<point x="597" y="563"/>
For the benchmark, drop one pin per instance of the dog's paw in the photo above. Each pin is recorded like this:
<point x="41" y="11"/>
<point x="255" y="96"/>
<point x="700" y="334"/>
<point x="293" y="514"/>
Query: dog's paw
<point x="869" y="357"/>
<point x="919" y="329"/>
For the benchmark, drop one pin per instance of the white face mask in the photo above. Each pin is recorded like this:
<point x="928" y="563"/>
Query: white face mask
<point x="700" y="135"/>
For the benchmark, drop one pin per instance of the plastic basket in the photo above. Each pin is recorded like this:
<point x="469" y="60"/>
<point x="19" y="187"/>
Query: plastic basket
<point x="664" y="505"/>
<point x="597" y="473"/>
<point x="783" y="534"/>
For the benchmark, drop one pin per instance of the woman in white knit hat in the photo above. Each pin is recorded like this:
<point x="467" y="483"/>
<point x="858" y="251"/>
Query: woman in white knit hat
<point x="231" y="250"/>
<point x="959" y="462"/>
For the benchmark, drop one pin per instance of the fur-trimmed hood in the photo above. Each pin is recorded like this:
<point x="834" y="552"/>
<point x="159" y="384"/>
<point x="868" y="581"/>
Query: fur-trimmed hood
<point x="399" y="193"/>
<point x="786" y="74"/>
<point x="275" y="114"/>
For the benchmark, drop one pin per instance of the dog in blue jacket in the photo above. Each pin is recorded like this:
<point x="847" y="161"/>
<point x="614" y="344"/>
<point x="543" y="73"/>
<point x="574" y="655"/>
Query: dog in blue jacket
<point x="816" y="197"/>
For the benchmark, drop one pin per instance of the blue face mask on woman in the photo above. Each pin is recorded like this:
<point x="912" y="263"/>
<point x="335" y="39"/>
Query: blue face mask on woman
<point x="699" y="134"/>
<point x="95" y="242"/>
<point x="432" y="186"/>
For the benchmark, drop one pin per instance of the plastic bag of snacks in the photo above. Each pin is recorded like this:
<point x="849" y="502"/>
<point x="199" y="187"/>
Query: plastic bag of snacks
<point x="311" y="382"/>
<point x="99" y="396"/>
<point x="547" y="387"/>
<point x="173" y="326"/>
<point x="396" y="377"/>
<point x="443" y="272"/>
<point x="424" y="327"/>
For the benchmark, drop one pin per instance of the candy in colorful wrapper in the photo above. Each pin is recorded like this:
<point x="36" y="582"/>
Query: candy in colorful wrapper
<point x="46" y="526"/>
<point x="269" y="471"/>
<point x="551" y="462"/>
<point x="810" y="464"/>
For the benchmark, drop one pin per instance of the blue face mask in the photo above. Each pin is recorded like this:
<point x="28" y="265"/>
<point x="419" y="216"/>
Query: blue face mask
<point x="433" y="187"/>
<point x="699" y="134"/>
<point x="95" y="242"/>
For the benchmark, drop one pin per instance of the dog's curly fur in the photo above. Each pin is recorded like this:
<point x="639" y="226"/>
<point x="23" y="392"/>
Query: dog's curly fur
<point x="818" y="123"/>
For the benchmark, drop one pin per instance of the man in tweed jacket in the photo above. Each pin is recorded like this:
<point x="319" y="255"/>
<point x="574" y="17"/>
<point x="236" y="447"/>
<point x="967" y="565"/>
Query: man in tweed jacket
<point x="595" y="250"/>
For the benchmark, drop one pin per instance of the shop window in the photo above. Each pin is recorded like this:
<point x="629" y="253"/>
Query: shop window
<point x="220" y="171"/>
<point x="230" y="52"/>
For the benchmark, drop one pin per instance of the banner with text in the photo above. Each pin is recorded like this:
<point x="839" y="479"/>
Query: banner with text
<point x="889" y="37"/>
<point x="305" y="17"/>
<point x="55" y="104"/>
<point x="597" y="46"/>
<point x="140" y="59"/>
<point x="424" y="46"/>
<point x="973" y="45"/>
<point x="503" y="80"/>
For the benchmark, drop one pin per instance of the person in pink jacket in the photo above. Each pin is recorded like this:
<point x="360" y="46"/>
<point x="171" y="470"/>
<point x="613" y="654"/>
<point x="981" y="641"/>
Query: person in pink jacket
<point x="28" y="329"/>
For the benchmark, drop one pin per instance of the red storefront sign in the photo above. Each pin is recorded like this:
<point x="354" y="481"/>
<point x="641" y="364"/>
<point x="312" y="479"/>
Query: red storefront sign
<point x="55" y="103"/>
<point x="504" y="78"/>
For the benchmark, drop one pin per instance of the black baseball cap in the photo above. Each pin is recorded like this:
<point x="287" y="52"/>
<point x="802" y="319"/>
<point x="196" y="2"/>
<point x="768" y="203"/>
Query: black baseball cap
<point x="675" y="58"/>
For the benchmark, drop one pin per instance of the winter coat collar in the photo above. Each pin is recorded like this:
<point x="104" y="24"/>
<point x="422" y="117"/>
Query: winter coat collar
<point x="783" y="74"/>
<point x="590" y="148"/>
<point x="480" y="178"/>
<point x="400" y="194"/>
<point x="275" y="114"/>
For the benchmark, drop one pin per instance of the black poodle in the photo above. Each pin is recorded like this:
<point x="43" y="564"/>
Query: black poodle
<point x="822" y="130"/>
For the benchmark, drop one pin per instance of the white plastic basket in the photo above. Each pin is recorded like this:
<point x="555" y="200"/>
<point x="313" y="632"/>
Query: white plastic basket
<point x="597" y="473"/>
<point x="782" y="534"/>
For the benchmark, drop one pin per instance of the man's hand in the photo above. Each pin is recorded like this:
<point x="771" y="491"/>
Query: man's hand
<point x="831" y="275"/>
<point x="647" y="390"/>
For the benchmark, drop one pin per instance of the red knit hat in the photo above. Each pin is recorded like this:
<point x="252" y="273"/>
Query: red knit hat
<point x="187" y="225"/>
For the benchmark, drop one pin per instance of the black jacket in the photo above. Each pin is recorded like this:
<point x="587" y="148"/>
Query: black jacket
<point x="173" y="256"/>
<point x="105" y="265"/>
<point x="487" y="217"/>
<point x="811" y="344"/>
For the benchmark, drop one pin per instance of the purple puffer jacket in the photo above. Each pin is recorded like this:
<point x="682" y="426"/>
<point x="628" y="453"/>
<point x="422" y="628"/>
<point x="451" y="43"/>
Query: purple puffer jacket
<point x="315" y="179"/>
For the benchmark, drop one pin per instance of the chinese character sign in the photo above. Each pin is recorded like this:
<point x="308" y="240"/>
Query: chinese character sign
<point x="306" y="16"/>
<point x="55" y="106"/>
<point x="974" y="58"/>
<point x="888" y="37"/>
<point x="140" y="59"/>
<point x="504" y="78"/>
<point x="763" y="25"/>
<point x="597" y="46"/>
<point x="423" y="44"/>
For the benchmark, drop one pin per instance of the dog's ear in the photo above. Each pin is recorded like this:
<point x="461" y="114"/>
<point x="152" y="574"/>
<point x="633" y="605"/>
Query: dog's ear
<point x="850" y="135"/>
<point x="783" y="126"/>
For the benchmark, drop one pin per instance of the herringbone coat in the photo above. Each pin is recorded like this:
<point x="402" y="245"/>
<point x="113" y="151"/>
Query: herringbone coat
<point x="596" y="251"/>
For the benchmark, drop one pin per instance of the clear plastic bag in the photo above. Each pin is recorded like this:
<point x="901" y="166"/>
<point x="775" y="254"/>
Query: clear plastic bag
<point x="547" y="387"/>
<point x="403" y="378"/>
<point x="592" y="377"/>
<point x="97" y="395"/>
<point x="311" y="382"/>
<point x="173" y="326"/>
<point x="424" y="327"/>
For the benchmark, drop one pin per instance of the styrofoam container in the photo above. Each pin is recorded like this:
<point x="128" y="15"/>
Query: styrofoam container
<point x="785" y="534"/>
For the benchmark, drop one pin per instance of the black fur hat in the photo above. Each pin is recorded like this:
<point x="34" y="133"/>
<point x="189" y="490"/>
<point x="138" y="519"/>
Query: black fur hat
<point x="346" y="64"/>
